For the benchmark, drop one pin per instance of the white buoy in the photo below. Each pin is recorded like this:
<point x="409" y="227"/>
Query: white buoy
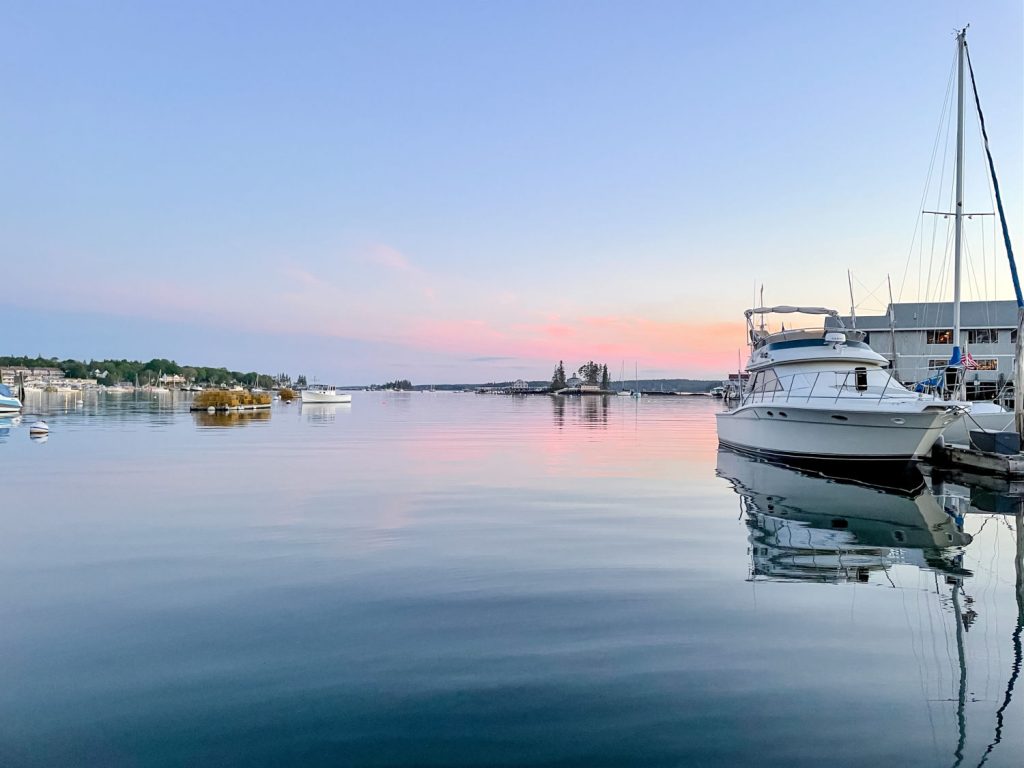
<point x="39" y="428"/>
<point x="211" y="409"/>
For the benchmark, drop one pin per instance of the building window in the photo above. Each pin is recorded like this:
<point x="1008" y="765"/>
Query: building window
<point x="940" y="337"/>
<point x="987" y="363"/>
<point x="935" y="364"/>
<point x="983" y="336"/>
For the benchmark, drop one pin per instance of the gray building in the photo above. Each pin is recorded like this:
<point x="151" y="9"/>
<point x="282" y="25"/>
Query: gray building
<point x="924" y="340"/>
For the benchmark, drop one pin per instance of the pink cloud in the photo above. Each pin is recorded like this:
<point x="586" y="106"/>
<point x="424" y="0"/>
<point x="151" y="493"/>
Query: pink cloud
<point x="684" y="347"/>
<point x="388" y="257"/>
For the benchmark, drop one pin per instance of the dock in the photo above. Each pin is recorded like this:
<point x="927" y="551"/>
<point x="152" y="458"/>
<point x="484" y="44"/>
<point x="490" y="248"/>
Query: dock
<point x="975" y="461"/>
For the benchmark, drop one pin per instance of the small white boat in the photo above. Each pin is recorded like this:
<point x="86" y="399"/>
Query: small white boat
<point x="324" y="393"/>
<point x="8" y="402"/>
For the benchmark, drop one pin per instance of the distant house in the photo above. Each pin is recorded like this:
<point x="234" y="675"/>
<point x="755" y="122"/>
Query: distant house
<point x="172" y="379"/>
<point x="519" y="386"/>
<point x="11" y="376"/>
<point x="573" y="382"/>
<point x="590" y="387"/>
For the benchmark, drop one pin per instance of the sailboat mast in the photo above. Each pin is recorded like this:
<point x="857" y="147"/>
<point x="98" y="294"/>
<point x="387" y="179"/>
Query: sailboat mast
<point x="958" y="212"/>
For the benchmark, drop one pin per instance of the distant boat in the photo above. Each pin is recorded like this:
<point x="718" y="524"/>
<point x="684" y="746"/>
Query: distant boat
<point x="8" y="402"/>
<point x="324" y="393"/>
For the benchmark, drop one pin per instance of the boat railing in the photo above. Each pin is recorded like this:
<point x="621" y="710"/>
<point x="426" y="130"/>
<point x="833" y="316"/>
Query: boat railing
<point x="800" y="388"/>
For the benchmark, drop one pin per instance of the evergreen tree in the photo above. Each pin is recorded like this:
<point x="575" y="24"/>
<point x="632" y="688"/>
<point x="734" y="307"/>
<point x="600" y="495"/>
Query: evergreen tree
<point x="558" y="378"/>
<point x="605" y="382"/>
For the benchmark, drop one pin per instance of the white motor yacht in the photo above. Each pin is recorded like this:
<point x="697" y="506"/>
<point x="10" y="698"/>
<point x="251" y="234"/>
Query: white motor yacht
<point x="324" y="393"/>
<point x="823" y="393"/>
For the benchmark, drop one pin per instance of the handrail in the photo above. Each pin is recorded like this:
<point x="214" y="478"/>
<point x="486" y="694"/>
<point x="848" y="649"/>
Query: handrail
<point x="758" y="392"/>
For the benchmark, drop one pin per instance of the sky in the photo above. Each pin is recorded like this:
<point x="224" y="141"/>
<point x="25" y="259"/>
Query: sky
<point x="470" y="191"/>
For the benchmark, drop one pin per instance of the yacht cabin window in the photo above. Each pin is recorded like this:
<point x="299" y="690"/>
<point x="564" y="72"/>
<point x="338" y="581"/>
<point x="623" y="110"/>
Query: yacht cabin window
<point x="766" y="381"/>
<point x="860" y="377"/>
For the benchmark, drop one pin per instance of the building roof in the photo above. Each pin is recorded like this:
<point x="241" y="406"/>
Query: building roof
<point x="939" y="314"/>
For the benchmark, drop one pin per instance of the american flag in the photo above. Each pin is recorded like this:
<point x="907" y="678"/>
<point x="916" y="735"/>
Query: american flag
<point x="968" y="362"/>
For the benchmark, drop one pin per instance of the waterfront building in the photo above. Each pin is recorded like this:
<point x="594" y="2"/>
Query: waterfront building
<point x="918" y="340"/>
<point x="14" y="374"/>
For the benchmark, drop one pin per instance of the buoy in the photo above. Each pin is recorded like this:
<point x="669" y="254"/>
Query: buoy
<point x="211" y="409"/>
<point x="39" y="428"/>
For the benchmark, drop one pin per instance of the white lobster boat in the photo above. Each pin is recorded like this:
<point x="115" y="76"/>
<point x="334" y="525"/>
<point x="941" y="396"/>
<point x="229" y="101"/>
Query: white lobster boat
<point x="324" y="393"/>
<point x="823" y="393"/>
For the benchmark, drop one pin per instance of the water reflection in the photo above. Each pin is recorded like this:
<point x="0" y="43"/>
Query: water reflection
<point x="810" y="526"/>
<point x="323" y="413"/>
<point x="588" y="410"/>
<point x="805" y="525"/>
<point x="222" y="419"/>
<point x="6" y="425"/>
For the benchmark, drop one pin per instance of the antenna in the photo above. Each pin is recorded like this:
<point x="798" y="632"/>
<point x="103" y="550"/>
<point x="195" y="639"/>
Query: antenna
<point x="853" y="309"/>
<point x="762" y="304"/>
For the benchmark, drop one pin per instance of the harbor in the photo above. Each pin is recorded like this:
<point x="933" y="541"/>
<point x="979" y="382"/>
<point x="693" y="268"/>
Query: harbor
<point x="525" y="385"/>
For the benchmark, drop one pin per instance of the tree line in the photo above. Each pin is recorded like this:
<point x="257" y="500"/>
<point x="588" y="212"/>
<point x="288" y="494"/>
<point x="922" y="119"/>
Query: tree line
<point x="115" y="371"/>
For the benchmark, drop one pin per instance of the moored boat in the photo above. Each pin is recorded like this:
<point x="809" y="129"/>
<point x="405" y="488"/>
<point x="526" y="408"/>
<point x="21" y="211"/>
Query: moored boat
<point x="823" y="393"/>
<point x="324" y="393"/>
<point x="8" y="402"/>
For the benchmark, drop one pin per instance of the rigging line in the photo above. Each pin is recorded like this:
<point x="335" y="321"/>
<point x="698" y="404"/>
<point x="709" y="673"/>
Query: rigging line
<point x="972" y="272"/>
<point x="938" y="196"/>
<point x="995" y="183"/>
<point x="927" y="183"/>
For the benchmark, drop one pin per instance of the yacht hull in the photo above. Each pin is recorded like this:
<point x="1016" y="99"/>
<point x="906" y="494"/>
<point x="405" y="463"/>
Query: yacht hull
<point x="878" y="434"/>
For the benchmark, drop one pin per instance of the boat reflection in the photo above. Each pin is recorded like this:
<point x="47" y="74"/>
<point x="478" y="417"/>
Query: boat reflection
<point x="805" y="525"/>
<point x="323" y="413"/>
<point x="6" y="424"/>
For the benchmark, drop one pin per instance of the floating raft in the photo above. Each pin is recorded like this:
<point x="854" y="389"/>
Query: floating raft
<point x="971" y="460"/>
<point x="229" y="408"/>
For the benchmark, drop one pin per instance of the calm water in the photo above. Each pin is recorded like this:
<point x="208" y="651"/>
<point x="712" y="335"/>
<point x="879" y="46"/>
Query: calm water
<point x="448" y="579"/>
